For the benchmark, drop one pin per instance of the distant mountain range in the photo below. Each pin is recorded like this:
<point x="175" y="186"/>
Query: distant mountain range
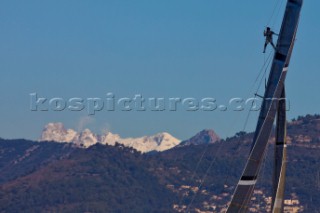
<point x="206" y="136"/>
<point x="56" y="132"/>
<point x="160" y="142"/>
<point x="198" y="174"/>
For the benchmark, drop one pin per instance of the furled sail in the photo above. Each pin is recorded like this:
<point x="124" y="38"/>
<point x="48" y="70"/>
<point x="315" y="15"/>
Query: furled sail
<point x="243" y="192"/>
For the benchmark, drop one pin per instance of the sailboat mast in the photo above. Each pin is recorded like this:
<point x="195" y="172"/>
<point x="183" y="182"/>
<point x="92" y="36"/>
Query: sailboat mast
<point x="244" y="190"/>
<point x="280" y="157"/>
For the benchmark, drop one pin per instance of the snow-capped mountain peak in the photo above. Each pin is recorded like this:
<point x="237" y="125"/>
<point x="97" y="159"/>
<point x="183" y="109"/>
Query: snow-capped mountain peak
<point x="85" y="138"/>
<point x="57" y="132"/>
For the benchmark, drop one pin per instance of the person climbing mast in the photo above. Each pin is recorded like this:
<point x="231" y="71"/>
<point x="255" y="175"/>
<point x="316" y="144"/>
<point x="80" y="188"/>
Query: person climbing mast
<point x="268" y="33"/>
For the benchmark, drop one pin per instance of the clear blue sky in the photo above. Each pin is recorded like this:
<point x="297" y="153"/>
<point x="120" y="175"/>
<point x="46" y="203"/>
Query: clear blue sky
<point x="167" y="48"/>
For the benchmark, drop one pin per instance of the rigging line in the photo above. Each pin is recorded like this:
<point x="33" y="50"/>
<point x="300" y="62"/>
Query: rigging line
<point x="248" y="115"/>
<point x="238" y="145"/>
<point x="252" y="190"/>
<point x="265" y="80"/>
<point x="205" y="150"/>
<point x="195" y="171"/>
<point x="200" y="160"/>
<point x="244" y="128"/>
<point x="263" y="77"/>
<point x="251" y="88"/>
<point x="218" y="150"/>
<point x="263" y="170"/>
<point x="212" y="163"/>
<point x="202" y="156"/>
<point x="204" y="177"/>
<point x="259" y="168"/>
<point x="259" y="85"/>
<point x="265" y="122"/>
<point x="274" y="9"/>
<point x="198" y="164"/>
<point x="263" y="66"/>
<point x="260" y="72"/>
<point x="208" y="169"/>
<point x="278" y="13"/>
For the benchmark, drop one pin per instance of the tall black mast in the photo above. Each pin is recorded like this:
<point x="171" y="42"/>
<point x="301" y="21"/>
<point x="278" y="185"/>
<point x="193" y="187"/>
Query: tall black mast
<point x="270" y="106"/>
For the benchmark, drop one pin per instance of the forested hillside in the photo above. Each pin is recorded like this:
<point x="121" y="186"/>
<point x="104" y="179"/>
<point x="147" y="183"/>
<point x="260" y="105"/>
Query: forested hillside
<point x="55" y="177"/>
